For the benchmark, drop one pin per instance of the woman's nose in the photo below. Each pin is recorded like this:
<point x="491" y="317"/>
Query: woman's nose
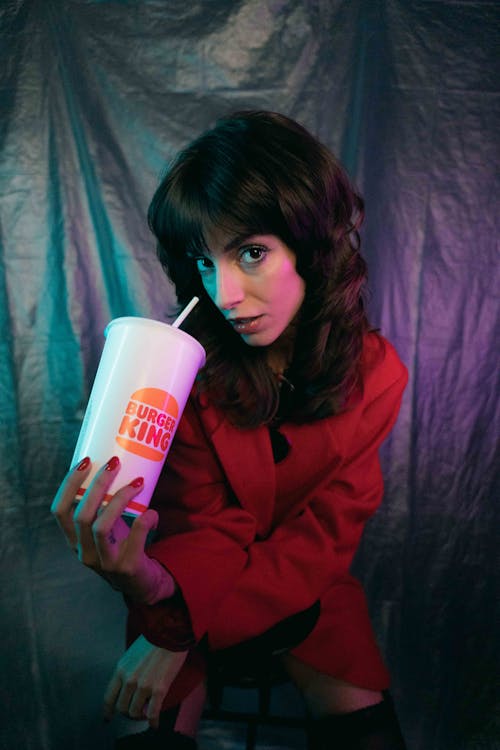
<point x="229" y="290"/>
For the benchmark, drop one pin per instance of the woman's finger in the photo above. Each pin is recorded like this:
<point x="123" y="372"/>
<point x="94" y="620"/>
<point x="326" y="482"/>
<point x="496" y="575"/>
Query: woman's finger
<point x="111" y="696"/>
<point x="113" y="510"/>
<point x="63" y="505"/>
<point x="153" y="708"/>
<point x="109" y="529"/>
<point x="87" y="510"/>
<point x="139" y="702"/>
<point x="125" y="696"/>
<point x="139" y="532"/>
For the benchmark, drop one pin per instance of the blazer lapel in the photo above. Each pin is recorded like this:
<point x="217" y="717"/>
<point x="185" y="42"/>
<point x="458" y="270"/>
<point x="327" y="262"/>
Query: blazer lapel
<point x="247" y="459"/>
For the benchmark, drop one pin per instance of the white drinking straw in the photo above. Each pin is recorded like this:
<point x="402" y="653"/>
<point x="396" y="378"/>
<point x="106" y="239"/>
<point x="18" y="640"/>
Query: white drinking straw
<point x="185" y="312"/>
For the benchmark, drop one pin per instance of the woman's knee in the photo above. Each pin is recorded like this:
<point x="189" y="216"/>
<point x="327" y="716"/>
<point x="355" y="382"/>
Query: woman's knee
<point x="325" y="694"/>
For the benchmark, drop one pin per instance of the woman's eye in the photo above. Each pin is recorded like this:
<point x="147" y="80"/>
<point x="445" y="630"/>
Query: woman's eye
<point x="203" y="264"/>
<point x="252" y="255"/>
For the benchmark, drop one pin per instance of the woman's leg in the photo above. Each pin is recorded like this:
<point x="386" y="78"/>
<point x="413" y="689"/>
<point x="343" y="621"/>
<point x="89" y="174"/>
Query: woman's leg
<point x="325" y="695"/>
<point x="190" y="711"/>
<point x="345" y="716"/>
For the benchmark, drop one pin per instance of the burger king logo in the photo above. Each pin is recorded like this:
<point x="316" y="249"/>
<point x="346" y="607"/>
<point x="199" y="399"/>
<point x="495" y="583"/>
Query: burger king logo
<point x="148" y="423"/>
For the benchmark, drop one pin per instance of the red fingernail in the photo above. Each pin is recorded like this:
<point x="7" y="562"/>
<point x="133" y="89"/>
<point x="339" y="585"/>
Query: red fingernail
<point x="112" y="463"/>
<point x="83" y="464"/>
<point x="137" y="482"/>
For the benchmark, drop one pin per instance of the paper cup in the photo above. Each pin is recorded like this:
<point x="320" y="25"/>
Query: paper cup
<point x="144" y="378"/>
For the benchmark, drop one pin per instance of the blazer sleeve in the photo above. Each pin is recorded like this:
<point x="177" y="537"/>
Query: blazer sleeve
<point x="203" y="539"/>
<point x="304" y="556"/>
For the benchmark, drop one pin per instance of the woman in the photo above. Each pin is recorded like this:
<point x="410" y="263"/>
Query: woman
<point x="274" y="469"/>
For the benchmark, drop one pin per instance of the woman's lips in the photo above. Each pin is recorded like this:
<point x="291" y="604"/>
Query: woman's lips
<point x="246" y="325"/>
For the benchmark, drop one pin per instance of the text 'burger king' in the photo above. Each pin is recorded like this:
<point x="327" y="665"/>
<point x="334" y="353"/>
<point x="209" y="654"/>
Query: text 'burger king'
<point x="148" y="422"/>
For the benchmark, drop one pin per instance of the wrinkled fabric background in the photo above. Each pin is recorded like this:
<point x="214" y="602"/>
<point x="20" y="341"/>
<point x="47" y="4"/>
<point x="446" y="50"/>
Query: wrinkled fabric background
<point x="95" y="99"/>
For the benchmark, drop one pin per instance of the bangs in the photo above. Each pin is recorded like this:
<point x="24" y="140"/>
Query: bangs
<point x="213" y="190"/>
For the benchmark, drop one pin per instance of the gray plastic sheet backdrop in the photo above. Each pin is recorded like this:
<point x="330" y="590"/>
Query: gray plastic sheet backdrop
<point x="96" y="97"/>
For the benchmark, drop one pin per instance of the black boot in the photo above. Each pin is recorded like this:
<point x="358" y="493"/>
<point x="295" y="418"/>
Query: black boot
<point x="371" y="728"/>
<point x="163" y="738"/>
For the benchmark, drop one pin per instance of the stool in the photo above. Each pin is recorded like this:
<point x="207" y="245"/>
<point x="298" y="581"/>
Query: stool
<point x="255" y="664"/>
<point x="262" y="675"/>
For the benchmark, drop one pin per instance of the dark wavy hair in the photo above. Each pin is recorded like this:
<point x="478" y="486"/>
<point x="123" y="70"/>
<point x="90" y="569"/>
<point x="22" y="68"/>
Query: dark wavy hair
<point x="262" y="173"/>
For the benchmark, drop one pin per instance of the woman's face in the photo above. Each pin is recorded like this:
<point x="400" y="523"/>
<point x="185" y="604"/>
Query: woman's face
<point x="254" y="283"/>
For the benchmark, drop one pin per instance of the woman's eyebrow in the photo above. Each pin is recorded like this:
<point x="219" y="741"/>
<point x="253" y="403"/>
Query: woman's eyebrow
<point x="240" y="239"/>
<point x="233" y="244"/>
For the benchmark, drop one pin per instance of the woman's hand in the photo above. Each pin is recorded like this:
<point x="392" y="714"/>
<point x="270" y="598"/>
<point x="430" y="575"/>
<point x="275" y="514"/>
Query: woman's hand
<point x="102" y="539"/>
<point x="141" y="681"/>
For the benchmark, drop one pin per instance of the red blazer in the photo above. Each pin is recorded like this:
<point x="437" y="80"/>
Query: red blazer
<point x="250" y="542"/>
